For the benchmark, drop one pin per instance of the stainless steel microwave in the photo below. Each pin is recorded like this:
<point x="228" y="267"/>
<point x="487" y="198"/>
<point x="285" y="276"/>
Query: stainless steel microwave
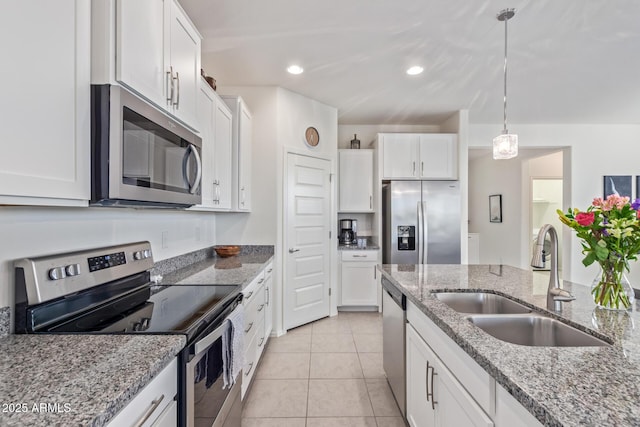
<point x="140" y="156"/>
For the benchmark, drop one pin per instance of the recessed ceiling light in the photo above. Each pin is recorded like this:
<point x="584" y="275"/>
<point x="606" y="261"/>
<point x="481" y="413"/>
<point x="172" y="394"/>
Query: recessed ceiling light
<point x="415" y="70"/>
<point x="295" y="69"/>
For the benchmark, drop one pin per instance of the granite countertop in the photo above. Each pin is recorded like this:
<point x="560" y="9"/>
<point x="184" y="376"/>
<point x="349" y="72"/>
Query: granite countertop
<point x="235" y="270"/>
<point x="560" y="386"/>
<point x="80" y="379"/>
<point x="372" y="245"/>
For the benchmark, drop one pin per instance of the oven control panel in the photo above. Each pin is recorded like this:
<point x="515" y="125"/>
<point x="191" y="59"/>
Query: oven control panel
<point x="49" y="277"/>
<point x="107" y="261"/>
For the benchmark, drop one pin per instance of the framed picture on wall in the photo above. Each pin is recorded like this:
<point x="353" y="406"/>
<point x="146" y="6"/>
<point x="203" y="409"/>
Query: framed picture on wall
<point x="617" y="184"/>
<point x="495" y="208"/>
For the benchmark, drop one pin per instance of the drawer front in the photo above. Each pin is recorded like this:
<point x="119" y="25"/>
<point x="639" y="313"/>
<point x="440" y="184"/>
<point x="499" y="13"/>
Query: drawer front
<point x="250" y="364"/>
<point x="253" y="314"/>
<point x="268" y="270"/>
<point x="355" y="255"/>
<point x="251" y="290"/>
<point x="154" y="397"/>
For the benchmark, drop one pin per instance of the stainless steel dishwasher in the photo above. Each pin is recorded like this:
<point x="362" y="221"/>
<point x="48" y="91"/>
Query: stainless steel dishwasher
<point x="394" y="318"/>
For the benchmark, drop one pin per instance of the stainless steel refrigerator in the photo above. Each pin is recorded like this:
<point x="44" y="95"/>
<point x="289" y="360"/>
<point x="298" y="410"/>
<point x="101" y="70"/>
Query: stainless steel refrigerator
<point x="421" y="222"/>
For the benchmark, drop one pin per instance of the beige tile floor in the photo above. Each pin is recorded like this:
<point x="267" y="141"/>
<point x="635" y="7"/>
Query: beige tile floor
<point x="324" y="374"/>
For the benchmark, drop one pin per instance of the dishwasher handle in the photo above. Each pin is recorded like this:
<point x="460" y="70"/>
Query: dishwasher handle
<point x="395" y="294"/>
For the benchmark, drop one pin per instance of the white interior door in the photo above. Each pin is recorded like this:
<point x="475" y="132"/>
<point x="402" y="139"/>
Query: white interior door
<point x="307" y="254"/>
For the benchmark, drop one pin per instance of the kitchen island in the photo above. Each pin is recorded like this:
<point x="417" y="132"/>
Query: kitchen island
<point x="559" y="386"/>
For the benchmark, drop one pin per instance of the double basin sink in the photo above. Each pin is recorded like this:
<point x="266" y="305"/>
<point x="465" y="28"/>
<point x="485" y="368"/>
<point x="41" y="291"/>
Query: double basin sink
<point x="510" y="321"/>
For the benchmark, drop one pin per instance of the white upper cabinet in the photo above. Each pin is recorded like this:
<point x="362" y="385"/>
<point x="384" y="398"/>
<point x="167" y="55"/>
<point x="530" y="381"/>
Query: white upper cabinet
<point x="438" y="156"/>
<point x="223" y="158"/>
<point x="157" y="54"/>
<point x="399" y="155"/>
<point x="419" y="156"/>
<point x="45" y="130"/>
<point x="241" y="150"/>
<point x="215" y="123"/>
<point x="206" y="124"/>
<point x="140" y="53"/>
<point x="356" y="180"/>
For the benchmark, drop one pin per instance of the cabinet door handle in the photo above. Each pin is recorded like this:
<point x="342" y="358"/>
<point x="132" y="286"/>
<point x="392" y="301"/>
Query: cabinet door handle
<point x="147" y="414"/>
<point x="370" y="202"/>
<point x="414" y="169"/>
<point x="249" y="370"/>
<point x="421" y="168"/>
<point x="430" y="394"/>
<point x="426" y="377"/>
<point x="249" y="328"/>
<point x="177" y="103"/>
<point x="267" y="292"/>
<point x="169" y="85"/>
<point x="260" y="308"/>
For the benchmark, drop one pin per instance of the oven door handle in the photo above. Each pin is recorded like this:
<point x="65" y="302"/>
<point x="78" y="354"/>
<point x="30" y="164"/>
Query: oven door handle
<point x="206" y="342"/>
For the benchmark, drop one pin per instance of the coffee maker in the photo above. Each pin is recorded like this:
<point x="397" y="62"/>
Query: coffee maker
<point x="348" y="232"/>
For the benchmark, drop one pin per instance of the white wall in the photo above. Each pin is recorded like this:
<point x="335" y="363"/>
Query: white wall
<point x="280" y="118"/>
<point x="596" y="150"/>
<point x="34" y="231"/>
<point x="499" y="242"/>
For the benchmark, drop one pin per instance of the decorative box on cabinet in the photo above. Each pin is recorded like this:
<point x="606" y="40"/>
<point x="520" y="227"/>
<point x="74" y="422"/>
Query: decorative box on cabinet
<point x="356" y="180"/>
<point x="46" y="155"/>
<point x="418" y="156"/>
<point x="358" y="278"/>
<point x="215" y="123"/>
<point x="241" y="149"/>
<point x="152" y="47"/>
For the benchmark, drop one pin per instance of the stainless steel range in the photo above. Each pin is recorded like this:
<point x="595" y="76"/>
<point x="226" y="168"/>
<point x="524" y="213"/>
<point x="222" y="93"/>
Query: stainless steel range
<point x="108" y="290"/>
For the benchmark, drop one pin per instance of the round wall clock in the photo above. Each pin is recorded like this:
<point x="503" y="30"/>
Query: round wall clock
<point x="311" y="136"/>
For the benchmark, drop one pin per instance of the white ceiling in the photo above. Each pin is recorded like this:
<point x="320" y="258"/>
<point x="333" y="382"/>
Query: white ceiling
<point x="570" y="61"/>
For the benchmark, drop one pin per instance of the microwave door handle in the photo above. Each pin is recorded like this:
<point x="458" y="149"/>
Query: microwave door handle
<point x="196" y="182"/>
<point x="185" y="161"/>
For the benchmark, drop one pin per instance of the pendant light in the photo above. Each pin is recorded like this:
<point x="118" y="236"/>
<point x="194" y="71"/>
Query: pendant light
<point x="505" y="145"/>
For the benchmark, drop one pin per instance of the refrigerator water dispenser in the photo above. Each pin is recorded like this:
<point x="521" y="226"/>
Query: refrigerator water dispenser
<point x="406" y="238"/>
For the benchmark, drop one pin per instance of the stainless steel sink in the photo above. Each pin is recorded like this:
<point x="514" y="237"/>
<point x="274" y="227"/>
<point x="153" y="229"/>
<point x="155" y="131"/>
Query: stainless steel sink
<point x="481" y="303"/>
<point x="534" y="330"/>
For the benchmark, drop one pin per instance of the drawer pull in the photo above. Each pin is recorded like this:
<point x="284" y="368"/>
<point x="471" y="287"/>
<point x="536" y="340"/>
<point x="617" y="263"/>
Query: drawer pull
<point x="152" y="408"/>
<point x="359" y="256"/>
<point x="261" y="342"/>
<point x="260" y="281"/>
<point x="249" y="371"/>
<point x="260" y="308"/>
<point x="248" y="295"/>
<point x="270" y="270"/>
<point x="249" y="328"/>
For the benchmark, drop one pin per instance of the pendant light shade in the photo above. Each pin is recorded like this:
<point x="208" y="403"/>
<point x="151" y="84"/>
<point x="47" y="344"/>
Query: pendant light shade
<point x="505" y="145"/>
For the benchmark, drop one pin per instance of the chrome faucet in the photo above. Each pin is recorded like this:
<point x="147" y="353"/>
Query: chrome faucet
<point x="555" y="295"/>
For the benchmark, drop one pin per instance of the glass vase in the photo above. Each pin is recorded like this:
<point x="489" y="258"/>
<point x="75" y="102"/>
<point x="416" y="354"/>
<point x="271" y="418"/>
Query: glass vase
<point x="611" y="288"/>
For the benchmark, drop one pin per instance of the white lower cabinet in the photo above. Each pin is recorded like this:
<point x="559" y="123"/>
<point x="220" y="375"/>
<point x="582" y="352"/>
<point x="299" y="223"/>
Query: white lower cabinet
<point x="446" y="387"/>
<point x="257" y="322"/>
<point x="154" y="405"/>
<point x="358" y="278"/>
<point x="434" y="396"/>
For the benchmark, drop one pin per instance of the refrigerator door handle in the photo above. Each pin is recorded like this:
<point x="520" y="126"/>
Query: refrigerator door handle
<point x="425" y="233"/>
<point x="419" y="234"/>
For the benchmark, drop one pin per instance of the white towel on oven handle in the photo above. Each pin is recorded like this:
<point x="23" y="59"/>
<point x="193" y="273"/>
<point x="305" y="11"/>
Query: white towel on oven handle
<point x="233" y="347"/>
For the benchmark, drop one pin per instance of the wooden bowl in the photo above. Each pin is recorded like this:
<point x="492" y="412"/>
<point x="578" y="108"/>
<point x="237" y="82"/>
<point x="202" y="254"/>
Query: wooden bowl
<point x="227" y="251"/>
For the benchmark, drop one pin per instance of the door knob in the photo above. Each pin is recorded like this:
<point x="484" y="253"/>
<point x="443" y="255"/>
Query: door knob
<point x="291" y="250"/>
